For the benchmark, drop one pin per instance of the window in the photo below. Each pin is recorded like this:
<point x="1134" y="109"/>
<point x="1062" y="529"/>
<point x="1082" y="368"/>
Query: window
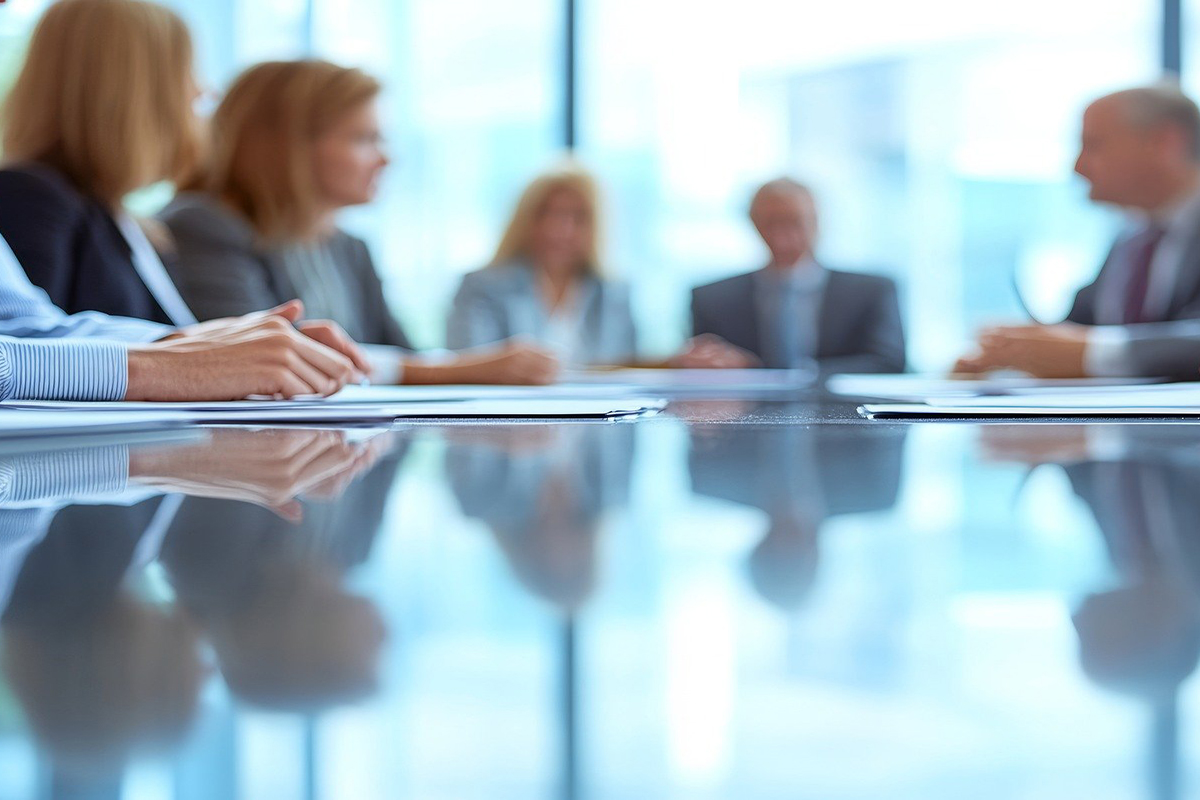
<point x="939" y="136"/>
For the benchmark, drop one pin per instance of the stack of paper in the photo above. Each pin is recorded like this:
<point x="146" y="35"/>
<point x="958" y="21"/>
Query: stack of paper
<point x="1168" y="400"/>
<point x="920" y="388"/>
<point x="351" y="411"/>
<point x="697" y="382"/>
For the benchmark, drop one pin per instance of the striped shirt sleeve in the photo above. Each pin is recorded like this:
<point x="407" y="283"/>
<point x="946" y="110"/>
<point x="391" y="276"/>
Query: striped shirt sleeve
<point x="62" y="369"/>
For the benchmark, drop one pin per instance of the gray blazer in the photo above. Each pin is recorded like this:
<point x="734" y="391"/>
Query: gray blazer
<point x="498" y="302"/>
<point x="222" y="270"/>
<point x="859" y="329"/>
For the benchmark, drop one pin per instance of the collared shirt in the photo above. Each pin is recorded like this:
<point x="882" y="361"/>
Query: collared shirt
<point x="46" y="354"/>
<point x="152" y="272"/>
<point x="790" y="302"/>
<point x="1180" y="224"/>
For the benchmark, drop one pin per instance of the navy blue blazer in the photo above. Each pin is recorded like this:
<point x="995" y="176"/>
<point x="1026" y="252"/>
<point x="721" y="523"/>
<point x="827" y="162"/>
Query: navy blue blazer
<point x="70" y="245"/>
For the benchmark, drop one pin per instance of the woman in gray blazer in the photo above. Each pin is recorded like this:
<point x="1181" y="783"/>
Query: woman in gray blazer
<point x="545" y="282"/>
<point x="294" y="142"/>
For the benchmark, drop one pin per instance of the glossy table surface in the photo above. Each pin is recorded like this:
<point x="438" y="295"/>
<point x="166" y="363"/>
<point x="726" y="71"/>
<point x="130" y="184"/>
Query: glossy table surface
<point x="732" y="599"/>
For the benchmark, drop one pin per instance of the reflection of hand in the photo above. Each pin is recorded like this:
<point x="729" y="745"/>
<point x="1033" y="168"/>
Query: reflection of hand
<point x="707" y="351"/>
<point x="1035" y="444"/>
<point x="259" y="354"/>
<point x="1044" y="351"/>
<point x="269" y="468"/>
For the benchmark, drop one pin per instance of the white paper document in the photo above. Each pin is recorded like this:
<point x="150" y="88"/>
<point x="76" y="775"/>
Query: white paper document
<point x="697" y="381"/>
<point x="307" y="411"/>
<point x="1167" y="395"/>
<point x="922" y="388"/>
<point x="886" y="411"/>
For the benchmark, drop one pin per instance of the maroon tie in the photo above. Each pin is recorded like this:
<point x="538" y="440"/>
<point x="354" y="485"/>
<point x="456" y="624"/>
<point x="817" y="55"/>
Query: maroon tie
<point x="1141" y="255"/>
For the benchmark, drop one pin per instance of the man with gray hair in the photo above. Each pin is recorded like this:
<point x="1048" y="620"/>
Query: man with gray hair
<point x="1140" y="151"/>
<point x="795" y="312"/>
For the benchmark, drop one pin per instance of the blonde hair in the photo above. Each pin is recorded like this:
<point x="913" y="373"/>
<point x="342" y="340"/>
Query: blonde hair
<point x="262" y="141"/>
<point x="105" y="96"/>
<point x="569" y="177"/>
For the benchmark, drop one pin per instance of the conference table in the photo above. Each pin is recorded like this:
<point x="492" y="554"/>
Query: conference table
<point x="738" y="597"/>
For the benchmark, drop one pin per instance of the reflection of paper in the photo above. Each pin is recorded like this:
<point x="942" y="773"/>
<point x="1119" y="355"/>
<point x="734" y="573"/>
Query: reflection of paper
<point x="919" y="388"/>
<point x="18" y="423"/>
<point x="324" y="411"/>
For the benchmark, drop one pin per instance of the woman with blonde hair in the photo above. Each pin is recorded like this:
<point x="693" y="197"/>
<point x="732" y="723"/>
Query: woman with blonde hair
<point x="84" y="126"/>
<point x="546" y="279"/>
<point x="293" y="142"/>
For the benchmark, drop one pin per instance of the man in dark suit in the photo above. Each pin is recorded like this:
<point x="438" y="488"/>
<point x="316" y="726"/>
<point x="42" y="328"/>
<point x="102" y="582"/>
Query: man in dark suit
<point x="795" y="311"/>
<point x="1140" y="151"/>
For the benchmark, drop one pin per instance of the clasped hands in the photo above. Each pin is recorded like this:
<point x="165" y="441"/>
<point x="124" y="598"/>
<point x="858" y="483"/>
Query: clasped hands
<point x="270" y="353"/>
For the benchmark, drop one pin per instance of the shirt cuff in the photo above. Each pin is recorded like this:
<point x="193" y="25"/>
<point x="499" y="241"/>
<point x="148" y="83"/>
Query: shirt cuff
<point x="387" y="363"/>
<point x="63" y="369"/>
<point x="1106" y="354"/>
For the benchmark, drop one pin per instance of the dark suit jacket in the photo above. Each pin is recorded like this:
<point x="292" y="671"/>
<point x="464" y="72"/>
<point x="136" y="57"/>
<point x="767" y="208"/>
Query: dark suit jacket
<point x="848" y="469"/>
<point x="1185" y="301"/>
<point x="223" y="270"/>
<point x="859" y="329"/>
<point x="69" y="245"/>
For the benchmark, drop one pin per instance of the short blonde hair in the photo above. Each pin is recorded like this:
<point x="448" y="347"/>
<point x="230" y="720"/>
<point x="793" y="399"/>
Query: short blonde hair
<point x="263" y="135"/>
<point x="105" y="96"/>
<point x="569" y="177"/>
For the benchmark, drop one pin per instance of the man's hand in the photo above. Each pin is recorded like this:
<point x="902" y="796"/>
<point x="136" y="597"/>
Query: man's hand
<point x="708" y="351"/>
<point x="1044" y="351"/>
<point x="261" y="354"/>
<point x="327" y="333"/>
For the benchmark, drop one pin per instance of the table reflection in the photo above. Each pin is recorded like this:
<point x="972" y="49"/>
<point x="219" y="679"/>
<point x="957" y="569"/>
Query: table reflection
<point x="103" y="665"/>
<point x="542" y="492"/>
<point x="1140" y="636"/>
<point x="799" y="477"/>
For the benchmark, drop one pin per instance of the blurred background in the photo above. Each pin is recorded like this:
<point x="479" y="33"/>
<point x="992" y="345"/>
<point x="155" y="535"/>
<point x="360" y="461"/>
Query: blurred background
<point x="939" y="135"/>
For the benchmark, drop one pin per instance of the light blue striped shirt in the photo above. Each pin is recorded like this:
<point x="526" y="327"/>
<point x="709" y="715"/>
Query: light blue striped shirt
<point x="47" y="354"/>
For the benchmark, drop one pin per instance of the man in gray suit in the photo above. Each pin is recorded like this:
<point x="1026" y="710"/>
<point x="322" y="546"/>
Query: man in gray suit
<point x="1140" y="150"/>
<point x="795" y="311"/>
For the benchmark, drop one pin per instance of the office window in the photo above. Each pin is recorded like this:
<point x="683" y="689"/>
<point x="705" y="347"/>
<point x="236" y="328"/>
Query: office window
<point x="473" y="110"/>
<point x="939" y="136"/>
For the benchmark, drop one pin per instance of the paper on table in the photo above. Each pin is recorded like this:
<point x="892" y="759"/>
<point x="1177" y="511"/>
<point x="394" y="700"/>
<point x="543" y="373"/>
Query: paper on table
<point x="919" y="388"/>
<point x="697" y="380"/>
<point x="323" y="411"/>
<point x="925" y="411"/>
<point x="1169" y="395"/>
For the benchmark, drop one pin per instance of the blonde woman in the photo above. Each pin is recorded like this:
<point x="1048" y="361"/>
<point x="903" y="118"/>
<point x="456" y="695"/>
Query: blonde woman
<point x="293" y="142"/>
<point x="546" y="284"/>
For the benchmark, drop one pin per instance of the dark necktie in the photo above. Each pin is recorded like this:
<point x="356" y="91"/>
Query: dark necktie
<point x="1141" y="249"/>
